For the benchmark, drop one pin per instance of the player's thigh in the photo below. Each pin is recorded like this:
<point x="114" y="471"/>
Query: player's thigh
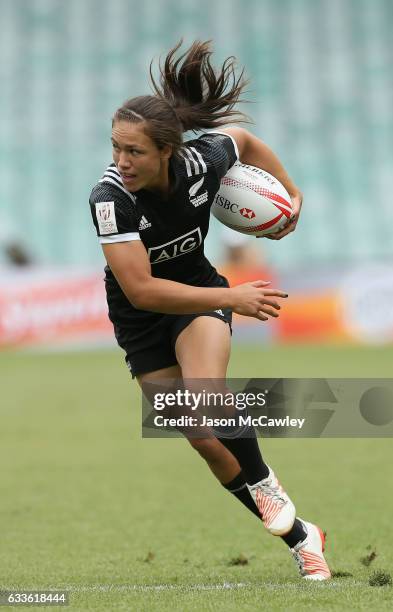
<point x="208" y="446"/>
<point x="215" y="332"/>
<point x="203" y="348"/>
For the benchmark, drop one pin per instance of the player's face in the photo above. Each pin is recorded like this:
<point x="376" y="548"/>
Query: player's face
<point x="141" y="164"/>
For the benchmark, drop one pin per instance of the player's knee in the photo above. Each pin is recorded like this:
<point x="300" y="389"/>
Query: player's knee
<point x="209" y="448"/>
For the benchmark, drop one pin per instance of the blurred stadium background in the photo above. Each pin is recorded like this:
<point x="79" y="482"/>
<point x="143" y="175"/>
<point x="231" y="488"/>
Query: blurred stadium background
<point x="322" y="93"/>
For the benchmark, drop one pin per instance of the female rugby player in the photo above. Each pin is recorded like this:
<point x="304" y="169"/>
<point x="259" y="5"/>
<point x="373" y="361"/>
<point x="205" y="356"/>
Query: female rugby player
<point x="171" y="310"/>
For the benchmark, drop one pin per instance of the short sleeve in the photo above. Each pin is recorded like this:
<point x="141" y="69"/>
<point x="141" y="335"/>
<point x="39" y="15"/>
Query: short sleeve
<point x="218" y="150"/>
<point x="113" y="214"/>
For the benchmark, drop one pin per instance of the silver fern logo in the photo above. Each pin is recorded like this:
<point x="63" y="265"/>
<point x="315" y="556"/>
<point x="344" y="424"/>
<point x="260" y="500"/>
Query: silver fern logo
<point x="195" y="199"/>
<point x="196" y="187"/>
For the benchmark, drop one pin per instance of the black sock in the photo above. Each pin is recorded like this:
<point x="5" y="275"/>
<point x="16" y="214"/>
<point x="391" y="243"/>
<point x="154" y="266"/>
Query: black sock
<point x="238" y="488"/>
<point x="247" y="452"/>
<point x="296" y="535"/>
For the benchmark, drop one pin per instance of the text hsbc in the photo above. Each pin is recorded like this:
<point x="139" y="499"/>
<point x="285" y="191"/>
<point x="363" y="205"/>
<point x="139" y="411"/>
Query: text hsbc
<point x="177" y="247"/>
<point x="224" y="203"/>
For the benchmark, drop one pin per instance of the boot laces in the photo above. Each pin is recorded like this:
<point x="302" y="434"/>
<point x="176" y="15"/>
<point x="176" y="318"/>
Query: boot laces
<point x="273" y="491"/>
<point x="299" y="560"/>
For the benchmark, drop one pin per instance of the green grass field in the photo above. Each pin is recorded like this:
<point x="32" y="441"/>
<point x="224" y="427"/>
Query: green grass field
<point x="131" y="524"/>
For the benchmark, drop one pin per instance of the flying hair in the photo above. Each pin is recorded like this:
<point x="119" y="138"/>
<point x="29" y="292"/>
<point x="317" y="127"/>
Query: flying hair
<point x="190" y="95"/>
<point x="201" y="97"/>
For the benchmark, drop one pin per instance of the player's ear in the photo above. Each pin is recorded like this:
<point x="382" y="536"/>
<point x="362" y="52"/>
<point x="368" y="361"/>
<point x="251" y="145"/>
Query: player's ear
<point x="166" y="152"/>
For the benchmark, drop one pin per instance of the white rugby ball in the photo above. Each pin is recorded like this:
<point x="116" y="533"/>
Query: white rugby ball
<point x="252" y="201"/>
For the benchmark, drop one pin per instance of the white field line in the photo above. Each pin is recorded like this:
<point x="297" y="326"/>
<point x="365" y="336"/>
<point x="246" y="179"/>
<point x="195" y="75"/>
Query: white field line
<point x="157" y="587"/>
<point x="121" y="588"/>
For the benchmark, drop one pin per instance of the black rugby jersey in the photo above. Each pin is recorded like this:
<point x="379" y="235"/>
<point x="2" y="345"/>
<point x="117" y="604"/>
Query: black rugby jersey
<point x="173" y="231"/>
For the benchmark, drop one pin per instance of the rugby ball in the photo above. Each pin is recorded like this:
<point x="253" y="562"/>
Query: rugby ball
<point x="252" y="201"/>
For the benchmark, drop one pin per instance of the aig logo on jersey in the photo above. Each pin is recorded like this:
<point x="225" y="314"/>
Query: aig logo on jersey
<point x="177" y="247"/>
<point x="195" y="199"/>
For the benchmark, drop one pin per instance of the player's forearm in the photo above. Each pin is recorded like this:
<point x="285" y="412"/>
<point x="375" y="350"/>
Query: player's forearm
<point x="170" y="297"/>
<point x="257" y="153"/>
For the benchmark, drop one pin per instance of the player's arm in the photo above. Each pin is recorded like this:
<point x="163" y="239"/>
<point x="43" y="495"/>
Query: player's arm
<point x="256" y="153"/>
<point x="130" y="264"/>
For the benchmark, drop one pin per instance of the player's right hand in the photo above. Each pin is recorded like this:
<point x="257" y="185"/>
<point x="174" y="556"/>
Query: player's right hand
<point x="256" y="300"/>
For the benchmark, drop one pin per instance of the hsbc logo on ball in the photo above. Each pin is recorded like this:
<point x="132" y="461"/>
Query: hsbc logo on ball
<point x="176" y="247"/>
<point x="226" y="204"/>
<point x="247" y="212"/>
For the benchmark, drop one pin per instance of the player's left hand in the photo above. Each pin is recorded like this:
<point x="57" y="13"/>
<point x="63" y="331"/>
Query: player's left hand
<point x="297" y="200"/>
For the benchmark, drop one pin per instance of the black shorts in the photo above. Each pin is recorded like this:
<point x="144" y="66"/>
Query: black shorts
<point x="149" y="339"/>
<point x="161" y="353"/>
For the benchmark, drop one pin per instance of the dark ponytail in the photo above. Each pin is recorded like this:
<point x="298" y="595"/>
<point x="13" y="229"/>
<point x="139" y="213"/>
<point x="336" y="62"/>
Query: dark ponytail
<point x="190" y="96"/>
<point x="201" y="98"/>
